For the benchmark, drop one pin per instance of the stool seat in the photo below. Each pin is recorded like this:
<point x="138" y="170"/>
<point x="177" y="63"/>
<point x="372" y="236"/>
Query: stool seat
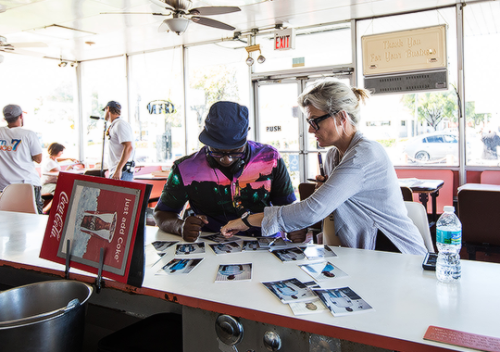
<point x="159" y="332"/>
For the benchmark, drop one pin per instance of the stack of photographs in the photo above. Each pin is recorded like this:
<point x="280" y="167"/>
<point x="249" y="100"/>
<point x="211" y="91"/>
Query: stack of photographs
<point x="316" y="252"/>
<point x="290" y="291"/>
<point x="342" y="301"/>
<point x="219" y="238"/>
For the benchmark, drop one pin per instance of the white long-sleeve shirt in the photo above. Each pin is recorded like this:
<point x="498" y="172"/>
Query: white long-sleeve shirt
<point x="363" y="193"/>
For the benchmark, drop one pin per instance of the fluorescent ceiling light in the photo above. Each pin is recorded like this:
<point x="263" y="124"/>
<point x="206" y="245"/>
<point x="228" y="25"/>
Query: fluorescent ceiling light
<point x="60" y="32"/>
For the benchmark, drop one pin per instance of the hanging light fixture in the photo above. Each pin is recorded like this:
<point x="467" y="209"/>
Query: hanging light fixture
<point x="250" y="61"/>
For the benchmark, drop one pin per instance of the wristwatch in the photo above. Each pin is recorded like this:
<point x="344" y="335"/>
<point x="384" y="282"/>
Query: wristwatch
<point x="244" y="218"/>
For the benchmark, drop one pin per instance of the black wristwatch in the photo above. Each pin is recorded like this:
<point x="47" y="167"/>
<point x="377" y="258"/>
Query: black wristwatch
<point x="244" y="218"/>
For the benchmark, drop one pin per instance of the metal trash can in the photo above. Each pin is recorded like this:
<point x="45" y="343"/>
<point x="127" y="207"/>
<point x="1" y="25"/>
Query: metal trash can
<point x="46" y="316"/>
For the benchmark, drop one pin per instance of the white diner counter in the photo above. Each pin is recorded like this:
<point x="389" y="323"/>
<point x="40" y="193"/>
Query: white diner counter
<point x="405" y="298"/>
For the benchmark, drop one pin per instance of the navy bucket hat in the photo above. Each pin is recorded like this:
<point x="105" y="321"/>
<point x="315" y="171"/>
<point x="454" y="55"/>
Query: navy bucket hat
<point x="226" y="126"/>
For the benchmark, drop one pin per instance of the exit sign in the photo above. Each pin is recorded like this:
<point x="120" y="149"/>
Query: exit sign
<point x="284" y="39"/>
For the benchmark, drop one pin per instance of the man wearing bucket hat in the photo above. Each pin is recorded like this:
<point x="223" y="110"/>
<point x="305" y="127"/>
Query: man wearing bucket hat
<point x="228" y="178"/>
<point x="19" y="147"/>
<point x="121" y="144"/>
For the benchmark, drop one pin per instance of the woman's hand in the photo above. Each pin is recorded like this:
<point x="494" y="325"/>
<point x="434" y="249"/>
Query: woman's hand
<point x="320" y="180"/>
<point x="233" y="227"/>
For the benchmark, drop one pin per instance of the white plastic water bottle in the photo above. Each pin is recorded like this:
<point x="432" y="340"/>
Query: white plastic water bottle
<point x="449" y="243"/>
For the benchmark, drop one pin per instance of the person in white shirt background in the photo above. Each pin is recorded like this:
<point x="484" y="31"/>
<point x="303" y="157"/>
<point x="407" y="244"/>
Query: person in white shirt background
<point x="121" y="144"/>
<point x="19" y="148"/>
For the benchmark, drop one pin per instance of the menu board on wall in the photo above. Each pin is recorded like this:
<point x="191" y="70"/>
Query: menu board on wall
<point x="94" y="213"/>
<point x="419" y="49"/>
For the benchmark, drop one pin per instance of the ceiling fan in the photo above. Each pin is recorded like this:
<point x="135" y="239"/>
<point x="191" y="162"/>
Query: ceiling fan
<point x="182" y="14"/>
<point x="14" y="47"/>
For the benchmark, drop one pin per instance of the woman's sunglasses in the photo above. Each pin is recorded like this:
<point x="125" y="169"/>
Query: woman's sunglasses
<point x="315" y="122"/>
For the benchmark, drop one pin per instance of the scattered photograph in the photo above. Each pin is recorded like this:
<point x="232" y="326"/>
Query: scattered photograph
<point x="234" y="272"/>
<point x="219" y="238"/>
<point x="329" y="252"/>
<point x="316" y="252"/>
<point x="342" y="301"/>
<point x="225" y="248"/>
<point x="289" y="254"/>
<point x="321" y="271"/>
<point x="291" y="290"/>
<point x="179" y="266"/>
<point x="160" y="246"/>
<point x="190" y="248"/>
<point x="310" y="307"/>
<point x="253" y="245"/>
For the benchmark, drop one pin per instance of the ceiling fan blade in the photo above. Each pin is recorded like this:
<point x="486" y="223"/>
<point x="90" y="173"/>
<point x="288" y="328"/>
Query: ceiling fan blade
<point x="163" y="4"/>
<point x="136" y="13"/>
<point x="212" y="23"/>
<point x="163" y="27"/>
<point x="213" y="10"/>
<point x="29" y="45"/>
<point x="21" y="52"/>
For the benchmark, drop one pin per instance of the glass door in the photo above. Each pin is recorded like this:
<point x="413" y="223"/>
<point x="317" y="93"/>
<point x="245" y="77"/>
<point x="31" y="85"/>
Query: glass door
<point x="280" y="123"/>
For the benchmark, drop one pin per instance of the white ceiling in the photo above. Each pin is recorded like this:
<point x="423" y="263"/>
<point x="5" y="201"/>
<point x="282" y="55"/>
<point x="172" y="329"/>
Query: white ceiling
<point x="24" y="20"/>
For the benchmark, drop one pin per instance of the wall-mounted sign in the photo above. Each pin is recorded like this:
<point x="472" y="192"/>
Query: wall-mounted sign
<point x="408" y="82"/>
<point x="273" y="129"/>
<point x="284" y="39"/>
<point x="298" y="62"/>
<point x="404" y="51"/>
<point x="157" y="107"/>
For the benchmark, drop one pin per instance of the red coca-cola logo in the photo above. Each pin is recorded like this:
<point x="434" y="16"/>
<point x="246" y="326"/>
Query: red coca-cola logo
<point x="58" y="223"/>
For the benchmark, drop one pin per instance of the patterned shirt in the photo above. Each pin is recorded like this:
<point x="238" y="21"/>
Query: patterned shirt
<point x="262" y="181"/>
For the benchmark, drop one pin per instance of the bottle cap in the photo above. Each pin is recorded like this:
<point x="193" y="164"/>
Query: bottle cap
<point x="449" y="209"/>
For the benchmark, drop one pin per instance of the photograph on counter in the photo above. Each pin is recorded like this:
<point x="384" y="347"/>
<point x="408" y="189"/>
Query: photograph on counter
<point x="160" y="246"/>
<point x="289" y="254"/>
<point x="308" y="307"/>
<point x="252" y="245"/>
<point x="291" y="290"/>
<point x="321" y="271"/>
<point x="179" y="266"/>
<point x="234" y="272"/>
<point x="272" y="242"/>
<point x="219" y="238"/>
<point x="225" y="248"/>
<point x="342" y="301"/>
<point x="329" y="252"/>
<point x="190" y="248"/>
<point x="316" y="252"/>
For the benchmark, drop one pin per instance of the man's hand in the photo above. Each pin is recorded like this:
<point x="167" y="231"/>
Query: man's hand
<point x="117" y="175"/>
<point x="191" y="227"/>
<point x="297" y="236"/>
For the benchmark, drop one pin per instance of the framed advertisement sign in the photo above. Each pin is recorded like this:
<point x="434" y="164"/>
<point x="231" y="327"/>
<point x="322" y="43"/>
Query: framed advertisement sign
<point x="94" y="213"/>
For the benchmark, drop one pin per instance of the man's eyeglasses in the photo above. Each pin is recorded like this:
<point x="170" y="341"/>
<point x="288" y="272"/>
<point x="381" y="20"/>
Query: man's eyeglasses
<point x="221" y="155"/>
<point x="315" y="122"/>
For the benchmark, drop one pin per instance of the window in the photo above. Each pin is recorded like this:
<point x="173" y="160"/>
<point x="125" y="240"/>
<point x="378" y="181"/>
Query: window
<point x="482" y="110"/>
<point x="400" y="121"/>
<point x="102" y="81"/>
<point x="47" y="94"/>
<point x="157" y="106"/>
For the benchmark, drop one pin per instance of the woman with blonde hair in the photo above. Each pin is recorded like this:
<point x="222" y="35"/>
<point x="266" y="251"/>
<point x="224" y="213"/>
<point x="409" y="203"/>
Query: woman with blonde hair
<point x="360" y="187"/>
